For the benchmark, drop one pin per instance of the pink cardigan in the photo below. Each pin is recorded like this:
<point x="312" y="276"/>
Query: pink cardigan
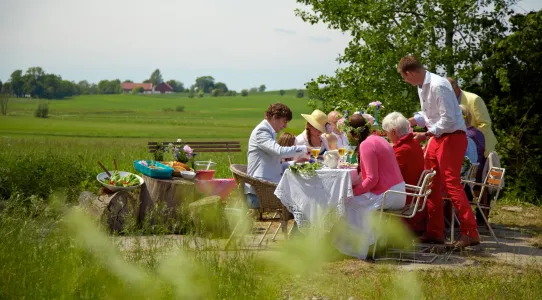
<point x="379" y="168"/>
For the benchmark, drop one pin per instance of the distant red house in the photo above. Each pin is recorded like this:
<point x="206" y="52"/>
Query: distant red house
<point x="128" y="86"/>
<point x="163" y="88"/>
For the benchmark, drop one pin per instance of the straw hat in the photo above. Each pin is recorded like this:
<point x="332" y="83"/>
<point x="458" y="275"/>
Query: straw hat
<point x="317" y="119"/>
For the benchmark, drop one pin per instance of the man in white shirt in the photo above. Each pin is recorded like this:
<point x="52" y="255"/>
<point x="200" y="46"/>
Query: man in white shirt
<point x="443" y="118"/>
<point x="264" y="154"/>
<point x="332" y="118"/>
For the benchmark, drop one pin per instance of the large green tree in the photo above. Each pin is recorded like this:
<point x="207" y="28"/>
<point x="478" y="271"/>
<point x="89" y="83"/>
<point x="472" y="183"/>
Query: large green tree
<point x="205" y="84"/>
<point x="445" y="34"/>
<point x="156" y="77"/>
<point x="512" y="82"/>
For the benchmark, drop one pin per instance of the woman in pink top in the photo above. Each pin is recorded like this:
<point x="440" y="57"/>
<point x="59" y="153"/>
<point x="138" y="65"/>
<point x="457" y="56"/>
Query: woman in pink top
<point x="380" y="172"/>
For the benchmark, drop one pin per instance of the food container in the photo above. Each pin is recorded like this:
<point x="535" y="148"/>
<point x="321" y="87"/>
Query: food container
<point x="153" y="169"/>
<point x="205" y="170"/>
<point x="102" y="179"/>
<point x="188" y="175"/>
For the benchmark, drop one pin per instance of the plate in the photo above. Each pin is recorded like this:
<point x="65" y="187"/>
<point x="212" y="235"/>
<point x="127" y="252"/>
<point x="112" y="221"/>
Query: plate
<point x="102" y="176"/>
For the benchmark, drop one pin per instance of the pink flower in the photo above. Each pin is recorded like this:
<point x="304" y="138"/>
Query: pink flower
<point x="187" y="150"/>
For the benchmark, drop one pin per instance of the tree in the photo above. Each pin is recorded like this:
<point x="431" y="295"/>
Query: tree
<point x="446" y="35"/>
<point x="221" y="87"/>
<point x="510" y="81"/>
<point x="244" y="92"/>
<point x="282" y="92"/>
<point x="262" y="88"/>
<point x="156" y="77"/>
<point x="178" y="87"/>
<point x="17" y="83"/>
<point x="205" y="83"/>
<point x="138" y="90"/>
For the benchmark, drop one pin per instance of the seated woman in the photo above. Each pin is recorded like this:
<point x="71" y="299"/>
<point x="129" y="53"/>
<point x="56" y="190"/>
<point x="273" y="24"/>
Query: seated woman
<point x="409" y="155"/>
<point x="313" y="135"/>
<point x="286" y="139"/>
<point x="477" y="137"/>
<point x="380" y="172"/>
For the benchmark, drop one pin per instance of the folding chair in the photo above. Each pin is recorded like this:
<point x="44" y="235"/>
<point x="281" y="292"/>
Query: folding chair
<point x="494" y="180"/>
<point x="419" y="195"/>
<point x="267" y="200"/>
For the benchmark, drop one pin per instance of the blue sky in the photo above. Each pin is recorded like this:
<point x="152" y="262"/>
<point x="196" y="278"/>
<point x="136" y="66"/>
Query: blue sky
<point x="243" y="43"/>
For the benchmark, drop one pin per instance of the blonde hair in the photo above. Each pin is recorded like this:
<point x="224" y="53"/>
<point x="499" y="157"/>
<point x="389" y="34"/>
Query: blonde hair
<point x="286" y="139"/>
<point x="467" y="116"/>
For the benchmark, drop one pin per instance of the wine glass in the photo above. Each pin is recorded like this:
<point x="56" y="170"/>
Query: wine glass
<point x="350" y="152"/>
<point x="342" y="152"/>
<point x="315" y="152"/>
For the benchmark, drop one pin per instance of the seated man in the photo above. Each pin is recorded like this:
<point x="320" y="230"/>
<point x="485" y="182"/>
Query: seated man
<point x="265" y="154"/>
<point x="409" y="155"/>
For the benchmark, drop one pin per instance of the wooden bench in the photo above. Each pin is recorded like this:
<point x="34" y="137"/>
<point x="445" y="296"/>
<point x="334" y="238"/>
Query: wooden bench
<point x="198" y="147"/>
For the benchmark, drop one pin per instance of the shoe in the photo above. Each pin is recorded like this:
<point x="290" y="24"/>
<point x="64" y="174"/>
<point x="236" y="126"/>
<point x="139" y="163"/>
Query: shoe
<point x="425" y="239"/>
<point x="464" y="241"/>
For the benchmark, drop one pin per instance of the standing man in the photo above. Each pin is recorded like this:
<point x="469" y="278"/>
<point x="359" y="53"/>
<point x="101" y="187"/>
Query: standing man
<point x="480" y="115"/>
<point x="332" y="118"/>
<point x="264" y="154"/>
<point x="443" y="118"/>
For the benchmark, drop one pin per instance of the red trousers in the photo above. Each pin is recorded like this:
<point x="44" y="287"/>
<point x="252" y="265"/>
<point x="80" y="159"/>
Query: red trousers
<point x="445" y="156"/>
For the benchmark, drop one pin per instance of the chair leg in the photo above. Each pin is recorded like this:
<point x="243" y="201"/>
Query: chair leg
<point x="267" y="229"/>
<point x="487" y="223"/>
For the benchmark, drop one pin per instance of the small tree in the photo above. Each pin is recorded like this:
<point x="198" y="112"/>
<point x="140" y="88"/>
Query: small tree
<point x="244" y="93"/>
<point x="262" y="88"/>
<point x="282" y="92"/>
<point x="42" y="111"/>
<point x="300" y="94"/>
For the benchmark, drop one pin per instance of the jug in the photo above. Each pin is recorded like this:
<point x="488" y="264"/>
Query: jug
<point x="331" y="159"/>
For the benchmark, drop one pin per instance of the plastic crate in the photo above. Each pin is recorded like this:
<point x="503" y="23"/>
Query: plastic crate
<point x="164" y="173"/>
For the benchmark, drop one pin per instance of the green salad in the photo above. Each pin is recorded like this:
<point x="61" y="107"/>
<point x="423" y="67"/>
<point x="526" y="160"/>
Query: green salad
<point x="125" y="181"/>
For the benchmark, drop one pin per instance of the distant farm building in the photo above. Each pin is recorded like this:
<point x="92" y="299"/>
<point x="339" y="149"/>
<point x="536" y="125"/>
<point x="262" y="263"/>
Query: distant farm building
<point x="127" y="87"/>
<point x="163" y="88"/>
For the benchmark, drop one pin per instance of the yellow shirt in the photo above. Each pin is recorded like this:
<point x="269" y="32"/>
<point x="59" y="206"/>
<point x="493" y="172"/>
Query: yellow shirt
<point x="480" y="118"/>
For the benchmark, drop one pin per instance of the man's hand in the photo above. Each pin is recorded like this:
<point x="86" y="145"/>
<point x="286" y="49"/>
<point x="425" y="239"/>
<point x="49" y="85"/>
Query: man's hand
<point x="420" y="136"/>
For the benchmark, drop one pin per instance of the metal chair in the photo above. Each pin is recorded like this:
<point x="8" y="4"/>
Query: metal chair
<point x="419" y="195"/>
<point x="269" y="203"/>
<point x="494" y="180"/>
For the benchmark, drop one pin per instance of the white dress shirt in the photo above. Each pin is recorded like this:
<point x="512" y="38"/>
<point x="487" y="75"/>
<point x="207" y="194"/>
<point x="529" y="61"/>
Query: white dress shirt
<point x="264" y="155"/>
<point x="440" y="111"/>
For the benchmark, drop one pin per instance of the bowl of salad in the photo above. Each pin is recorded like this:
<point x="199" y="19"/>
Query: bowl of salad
<point x="120" y="181"/>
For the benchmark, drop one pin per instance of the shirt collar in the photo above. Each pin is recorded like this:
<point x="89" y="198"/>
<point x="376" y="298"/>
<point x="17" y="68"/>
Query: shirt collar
<point x="405" y="139"/>
<point x="270" y="127"/>
<point x="426" y="79"/>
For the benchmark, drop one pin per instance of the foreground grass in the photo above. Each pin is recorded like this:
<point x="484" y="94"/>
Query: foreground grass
<point x="53" y="252"/>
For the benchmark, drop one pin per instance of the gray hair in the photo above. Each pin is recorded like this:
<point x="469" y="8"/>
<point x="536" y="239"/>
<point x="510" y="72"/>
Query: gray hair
<point x="396" y="121"/>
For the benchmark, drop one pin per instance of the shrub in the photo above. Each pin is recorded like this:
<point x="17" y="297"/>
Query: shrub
<point x="179" y="108"/>
<point x="300" y="94"/>
<point x="244" y="93"/>
<point x="42" y="111"/>
<point x="282" y="92"/>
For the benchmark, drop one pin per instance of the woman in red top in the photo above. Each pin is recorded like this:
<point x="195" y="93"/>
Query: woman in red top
<point x="409" y="155"/>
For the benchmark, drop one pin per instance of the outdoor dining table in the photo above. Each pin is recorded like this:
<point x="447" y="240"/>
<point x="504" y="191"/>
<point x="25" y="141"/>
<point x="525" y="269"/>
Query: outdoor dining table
<point x="316" y="200"/>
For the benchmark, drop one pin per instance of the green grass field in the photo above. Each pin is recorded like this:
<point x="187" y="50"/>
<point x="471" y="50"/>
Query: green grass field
<point x="142" y="116"/>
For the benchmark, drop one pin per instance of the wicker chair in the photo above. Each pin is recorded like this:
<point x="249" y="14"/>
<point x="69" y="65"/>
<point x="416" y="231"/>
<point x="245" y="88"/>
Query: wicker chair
<point x="269" y="203"/>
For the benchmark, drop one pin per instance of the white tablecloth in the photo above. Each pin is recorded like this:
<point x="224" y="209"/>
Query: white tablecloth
<point x="316" y="200"/>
